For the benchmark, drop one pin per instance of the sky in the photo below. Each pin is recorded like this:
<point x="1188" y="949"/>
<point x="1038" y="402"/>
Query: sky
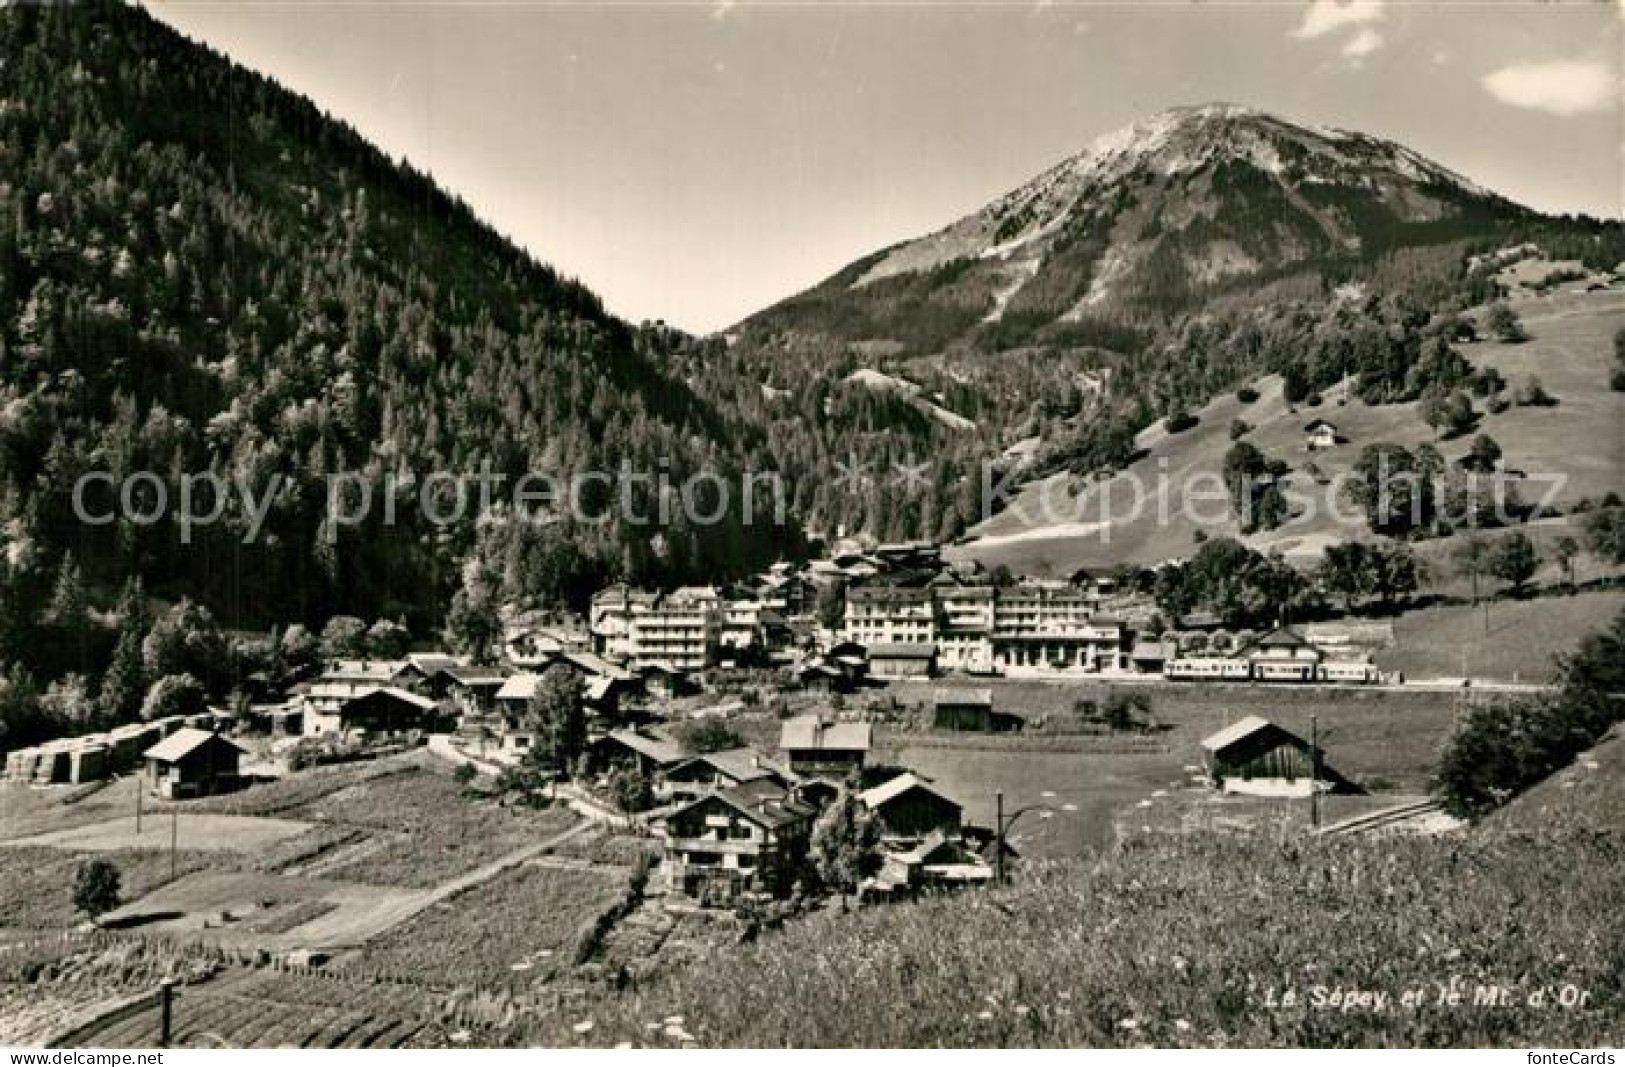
<point x="696" y="162"/>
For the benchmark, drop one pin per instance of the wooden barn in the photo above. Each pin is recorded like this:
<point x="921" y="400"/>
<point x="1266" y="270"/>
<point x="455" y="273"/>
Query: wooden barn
<point x="193" y="763"/>
<point x="651" y="752"/>
<point x="1258" y="757"/>
<point x="971" y="710"/>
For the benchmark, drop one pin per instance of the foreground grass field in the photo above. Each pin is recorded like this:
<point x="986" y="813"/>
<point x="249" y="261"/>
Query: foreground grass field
<point x="1192" y="941"/>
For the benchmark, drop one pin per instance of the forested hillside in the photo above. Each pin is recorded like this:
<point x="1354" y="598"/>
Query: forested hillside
<point x="201" y="271"/>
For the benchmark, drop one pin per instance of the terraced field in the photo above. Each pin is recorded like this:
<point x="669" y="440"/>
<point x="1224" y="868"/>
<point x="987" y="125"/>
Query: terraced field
<point x="241" y="1018"/>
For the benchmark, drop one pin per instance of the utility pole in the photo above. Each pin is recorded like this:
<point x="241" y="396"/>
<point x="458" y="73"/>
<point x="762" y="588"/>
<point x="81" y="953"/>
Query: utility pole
<point x="174" y="838"/>
<point x="1314" y="771"/>
<point x="998" y="837"/>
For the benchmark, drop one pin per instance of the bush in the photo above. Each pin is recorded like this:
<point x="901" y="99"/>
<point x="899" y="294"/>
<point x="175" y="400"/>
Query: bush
<point x="1498" y="750"/>
<point x="630" y="790"/>
<point x="708" y="735"/>
<point x="96" y="887"/>
<point x="174" y="694"/>
<point x="1179" y="421"/>
<point x="1247" y="394"/>
<point x="1532" y="394"/>
<point x="1239" y="428"/>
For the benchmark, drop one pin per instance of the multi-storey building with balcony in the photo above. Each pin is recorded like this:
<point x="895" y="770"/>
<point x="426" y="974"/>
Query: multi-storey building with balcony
<point x="610" y="619"/>
<point x="1053" y="628"/>
<point x="965" y="627"/>
<point x="679" y="631"/>
<point x="879" y="614"/>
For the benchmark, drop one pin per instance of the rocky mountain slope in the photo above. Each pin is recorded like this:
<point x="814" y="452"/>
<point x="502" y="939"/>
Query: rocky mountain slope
<point x="1146" y="222"/>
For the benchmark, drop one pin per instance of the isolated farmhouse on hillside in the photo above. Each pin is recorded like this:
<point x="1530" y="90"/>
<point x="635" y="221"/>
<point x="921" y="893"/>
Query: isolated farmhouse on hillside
<point x="193" y="763"/>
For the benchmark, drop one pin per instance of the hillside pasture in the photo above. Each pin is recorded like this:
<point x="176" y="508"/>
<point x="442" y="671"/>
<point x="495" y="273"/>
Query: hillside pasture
<point x="1149" y="512"/>
<point x="1384" y="739"/>
<point x="1521" y="642"/>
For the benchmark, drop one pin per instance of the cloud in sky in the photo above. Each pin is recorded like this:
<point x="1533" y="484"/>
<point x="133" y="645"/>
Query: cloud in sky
<point x="1362" y="44"/>
<point x="1561" y="87"/>
<point x="1328" y="16"/>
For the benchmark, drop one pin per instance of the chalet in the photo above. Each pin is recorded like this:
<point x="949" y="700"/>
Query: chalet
<point x="1319" y="435"/>
<point x="663" y="682"/>
<point x="397" y="672"/>
<point x="1283" y="655"/>
<point x="193" y="763"/>
<point x="908" y="808"/>
<point x="724" y="770"/>
<point x="651" y="752"/>
<point x="902" y="659"/>
<point x="429" y="670"/>
<point x="602" y="697"/>
<point x="746" y="841"/>
<point x="819" y="676"/>
<point x="529" y="645"/>
<point x="1257" y="757"/>
<point x="596" y="666"/>
<point x="813" y="745"/>
<point x="473" y="690"/>
<point x="971" y="709"/>
<point x="375" y="709"/>
<point x="938" y="860"/>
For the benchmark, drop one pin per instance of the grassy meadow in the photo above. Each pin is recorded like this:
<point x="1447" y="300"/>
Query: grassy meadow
<point x="1098" y="526"/>
<point x="1191" y="940"/>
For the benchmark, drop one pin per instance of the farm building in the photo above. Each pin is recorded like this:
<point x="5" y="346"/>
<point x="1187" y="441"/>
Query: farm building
<point x="1258" y="757"/>
<point x="909" y="807"/>
<point x="893" y="660"/>
<point x="724" y="770"/>
<point x="971" y="709"/>
<point x="813" y="745"/>
<point x="1319" y="435"/>
<point x="745" y="841"/>
<point x="193" y="763"/>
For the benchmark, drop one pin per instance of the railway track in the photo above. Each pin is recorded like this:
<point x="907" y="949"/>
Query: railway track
<point x="1377" y="820"/>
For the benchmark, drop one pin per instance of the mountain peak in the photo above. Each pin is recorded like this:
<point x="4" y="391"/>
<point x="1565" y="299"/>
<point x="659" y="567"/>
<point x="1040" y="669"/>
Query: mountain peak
<point x="1215" y="162"/>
